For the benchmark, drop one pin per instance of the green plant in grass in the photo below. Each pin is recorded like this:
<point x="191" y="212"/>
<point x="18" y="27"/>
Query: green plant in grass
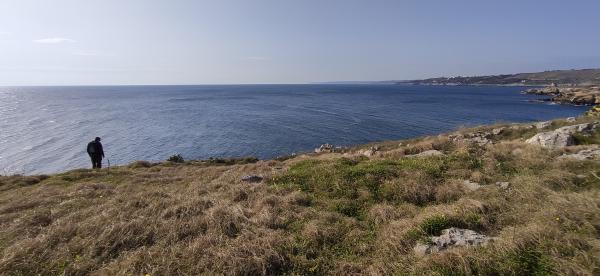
<point x="529" y="261"/>
<point x="434" y="225"/>
<point x="349" y="208"/>
<point x="176" y="158"/>
<point x="591" y="139"/>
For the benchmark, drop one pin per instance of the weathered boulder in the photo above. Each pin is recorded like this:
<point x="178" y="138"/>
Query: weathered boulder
<point x="497" y="131"/>
<point x="479" y="138"/>
<point x="503" y="185"/>
<point x="540" y="125"/>
<point x="470" y="185"/>
<point x="329" y="148"/>
<point x="585" y="154"/>
<point x="427" y="153"/>
<point x="252" y="178"/>
<point x="451" y="237"/>
<point x="370" y="151"/>
<point x="324" y="148"/>
<point x="561" y="137"/>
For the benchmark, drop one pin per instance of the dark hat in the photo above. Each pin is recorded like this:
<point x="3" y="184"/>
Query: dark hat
<point x="97" y="139"/>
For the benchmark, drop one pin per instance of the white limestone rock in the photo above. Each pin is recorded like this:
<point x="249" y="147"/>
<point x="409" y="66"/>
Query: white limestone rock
<point x="452" y="237"/>
<point x="561" y="137"/>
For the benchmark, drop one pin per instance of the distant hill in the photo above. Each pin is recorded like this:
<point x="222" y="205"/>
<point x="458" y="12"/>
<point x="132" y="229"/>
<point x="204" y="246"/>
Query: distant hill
<point x="559" y="77"/>
<point x="357" y="82"/>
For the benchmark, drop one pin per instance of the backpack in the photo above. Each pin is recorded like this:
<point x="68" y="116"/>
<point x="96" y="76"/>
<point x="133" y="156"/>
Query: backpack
<point x="91" y="148"/>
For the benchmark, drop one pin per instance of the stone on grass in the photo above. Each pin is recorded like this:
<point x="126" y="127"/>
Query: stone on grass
<point x="328" y="148"/>
<point x="451" y="237"/>
<point x="542" y="124"/>
<point x="252" y="178"/>
<point x="472" y="186"/>
<point x="427" y="153"/>
<point x="497" y="131"/>
<point x="585" y="154"/>
<point x="324" y="148"/>
<point x="503" y="185"/>
<point x="561" y="137"/>
<point x="479" y="138"/>
<point x="371" y="151"/>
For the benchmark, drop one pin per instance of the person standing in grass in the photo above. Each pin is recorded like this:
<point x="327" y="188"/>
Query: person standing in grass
<point x="96" y="153"/>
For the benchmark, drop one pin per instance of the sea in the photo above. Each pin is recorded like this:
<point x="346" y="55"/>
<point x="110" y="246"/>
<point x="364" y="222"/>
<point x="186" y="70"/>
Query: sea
<point x="46" y="129"/>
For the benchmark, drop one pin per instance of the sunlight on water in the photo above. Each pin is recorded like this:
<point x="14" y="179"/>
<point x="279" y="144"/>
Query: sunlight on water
<point x="46" y="129"/>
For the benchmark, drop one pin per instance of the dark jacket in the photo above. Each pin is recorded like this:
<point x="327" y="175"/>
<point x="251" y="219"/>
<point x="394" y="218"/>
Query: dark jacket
<point x="95" y="148"/>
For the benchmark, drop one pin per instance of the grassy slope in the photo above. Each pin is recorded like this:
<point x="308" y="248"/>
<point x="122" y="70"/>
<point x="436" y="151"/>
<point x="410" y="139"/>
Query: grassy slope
<point x="315" y="214"/>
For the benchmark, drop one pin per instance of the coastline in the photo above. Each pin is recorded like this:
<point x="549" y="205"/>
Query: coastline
<point x="506" y="189"/>
<point x="578" y="95"/>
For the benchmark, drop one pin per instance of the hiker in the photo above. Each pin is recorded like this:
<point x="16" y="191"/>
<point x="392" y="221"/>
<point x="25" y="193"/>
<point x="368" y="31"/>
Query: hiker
<point x="96" y="153"/>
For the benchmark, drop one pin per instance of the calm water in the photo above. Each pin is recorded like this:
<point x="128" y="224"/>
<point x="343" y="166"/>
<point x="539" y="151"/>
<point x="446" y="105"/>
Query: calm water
<point x="46" y="129"/>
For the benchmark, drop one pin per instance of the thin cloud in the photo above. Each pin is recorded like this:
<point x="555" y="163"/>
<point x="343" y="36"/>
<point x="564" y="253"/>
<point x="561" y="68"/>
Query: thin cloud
<point x="53" y="40"/>
<point x="92" y="53"/>
<point x="5" y="33"/>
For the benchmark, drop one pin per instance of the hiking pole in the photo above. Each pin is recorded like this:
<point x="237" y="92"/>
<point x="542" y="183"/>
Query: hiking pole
<point x="108" y="160"/>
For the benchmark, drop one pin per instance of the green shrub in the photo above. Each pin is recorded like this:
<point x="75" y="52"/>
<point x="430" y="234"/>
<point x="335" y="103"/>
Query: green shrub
<point x="581" y="139"/>
<point x="434" y="225"/>
<point x="414" y="235"/>
<point x="529" y="261"/>
<point x="232" y="161"/>
<point x="349" y="209"/>
<point x="444" y="146"/>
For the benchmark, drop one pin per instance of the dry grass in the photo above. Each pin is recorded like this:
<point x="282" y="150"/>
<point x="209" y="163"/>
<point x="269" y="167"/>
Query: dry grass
<point x="324" y="214"/>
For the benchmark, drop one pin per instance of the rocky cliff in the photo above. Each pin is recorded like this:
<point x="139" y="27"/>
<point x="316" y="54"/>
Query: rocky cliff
<point x="586" y="95"/>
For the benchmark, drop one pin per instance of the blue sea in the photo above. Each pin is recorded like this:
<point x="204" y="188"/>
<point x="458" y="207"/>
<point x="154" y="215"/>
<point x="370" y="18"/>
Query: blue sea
<point x="46" y="129"/>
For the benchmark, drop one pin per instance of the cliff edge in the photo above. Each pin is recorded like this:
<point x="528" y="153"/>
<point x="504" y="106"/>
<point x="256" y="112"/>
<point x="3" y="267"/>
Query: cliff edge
<point x="504" y="199"/>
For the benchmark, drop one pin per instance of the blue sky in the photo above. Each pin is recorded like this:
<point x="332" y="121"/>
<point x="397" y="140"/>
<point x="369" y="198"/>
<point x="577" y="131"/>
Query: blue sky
<point x="74" y="42"/>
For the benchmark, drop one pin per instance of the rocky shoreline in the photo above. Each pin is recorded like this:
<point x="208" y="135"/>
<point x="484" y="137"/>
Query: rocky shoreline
<point x="578" y="95"/>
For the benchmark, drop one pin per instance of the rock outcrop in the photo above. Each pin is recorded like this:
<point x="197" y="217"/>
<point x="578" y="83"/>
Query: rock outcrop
<point x="370" y="151"/>
<point x="452" y="237"/>
<point x="479" y="138"/>
<point x="541" y="125"/>
<point x="581" y="155"/>
<point x="561" y="137"/>
<point x="586" y="95"/>
<point x="329" y="148"/>
<point x="427" y="153"/>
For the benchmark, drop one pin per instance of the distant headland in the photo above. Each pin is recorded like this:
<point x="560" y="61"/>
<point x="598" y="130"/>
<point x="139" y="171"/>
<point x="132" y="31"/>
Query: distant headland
<point x="580" y="87"/>
<point x="583" y="77"/>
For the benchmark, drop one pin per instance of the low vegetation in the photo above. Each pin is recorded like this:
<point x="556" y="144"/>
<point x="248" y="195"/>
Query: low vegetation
<point x="331" y="213"/>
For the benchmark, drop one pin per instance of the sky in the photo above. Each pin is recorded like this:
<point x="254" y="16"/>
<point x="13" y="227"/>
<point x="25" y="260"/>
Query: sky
<point x="128" y="42"/>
